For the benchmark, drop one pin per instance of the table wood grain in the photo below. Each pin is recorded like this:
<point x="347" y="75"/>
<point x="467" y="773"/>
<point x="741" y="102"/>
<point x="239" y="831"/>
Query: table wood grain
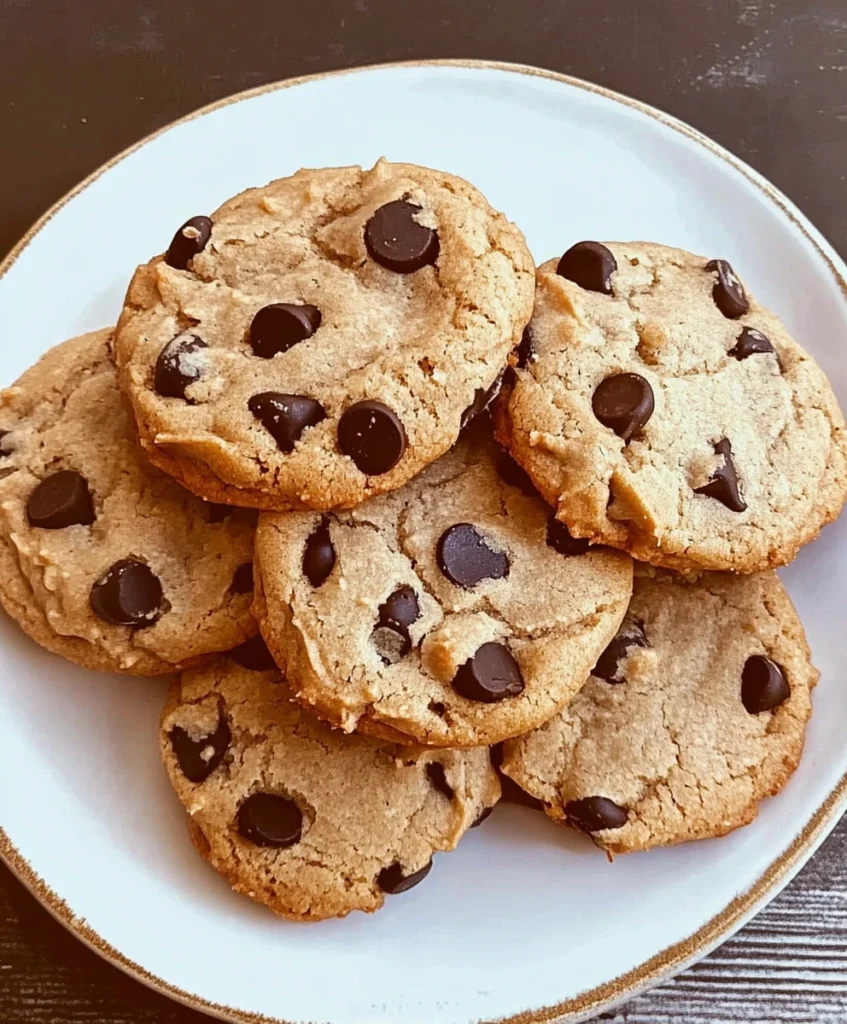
<point x="82" y="79"/>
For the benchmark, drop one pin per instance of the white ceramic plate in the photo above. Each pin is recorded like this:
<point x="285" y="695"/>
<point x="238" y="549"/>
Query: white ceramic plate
<point x="524" y="918"/>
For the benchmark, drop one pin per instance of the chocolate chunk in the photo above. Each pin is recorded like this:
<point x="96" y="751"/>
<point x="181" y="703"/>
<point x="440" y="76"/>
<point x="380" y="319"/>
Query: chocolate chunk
<point x="608" y="664"/>
<point x="391" y="634"/>
<point x="175" y="369"/>
<point x="515" y="475"/>
<point x="595" y="813"/>
<point x="491" y="675"/>
<point x="254" y="655"/>
<point x="438" y="777"/>
<point x="437" y="707"/>
<point x="526" y="348"/>
<point x="763" y="685"/>
<point x="590" y="265"/>
<point x="285" y="417"/>
<point x="242" y="580"/>
<point x="270" y="820"/>
<point x="559" y="539"/>
<point x="396" y="241"/>
<point x="191" y="239"/>
<point x="401" y="609"/>
<point x="750" y="342"/>
<point x="280" y="326"/>
<point x="319" y="555"/>
<point x="59" y="500"/>
<point x="624" y="403"/>
<point x="728" y="292"/>
<point x="197" y="759"/>
<point x="392" y="880"/>
<point x="373" y="436"/>
<point x="481" y="400"/>
<point x="724" y="483"/>
<point x="485" y="813"/>
<point x="128" y="594"/>
<point x="466" y="559"/>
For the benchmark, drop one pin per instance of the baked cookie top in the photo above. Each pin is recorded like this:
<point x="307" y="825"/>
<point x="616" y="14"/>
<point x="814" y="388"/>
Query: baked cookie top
<point x="321" y="339"/>
<point x="454" y="612"/>
<point x="695" y="712"/>
<point x="103" y="559"/>
<point x="665" y="412"/>
<point x="303" y="818"/>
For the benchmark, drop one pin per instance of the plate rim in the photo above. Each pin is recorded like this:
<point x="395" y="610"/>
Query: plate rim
<point x="742" y="907"/>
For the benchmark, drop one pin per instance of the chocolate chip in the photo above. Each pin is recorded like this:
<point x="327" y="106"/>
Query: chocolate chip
<point x="485" y="813"/>
<point x="280" y="326"/>
<point x="624" y="403"/>
<point x="608" y="664"/>
<point x="253" y="654"/>
<point x="590" y="265"/>
<point x="391" y="634"/>
<point x="515" y="475"/>
<point x="526" y="348"/>
<point x="242" y="580"/>
<point x="763" y="685"/>
<point x="197" y="759"/>
<point x="191" y="238"/>
<point x="60" y="500"/>
<point x="319" y="555"/>
<point x="396" y="241"/>
<point x="438" y="777"/>
<point x="491" y="675"/>
<point x="285" y="417"/>
<point x="392" y="880"/>
<point x="466" y="559"/>
<point x="437" y="707"/>
<point x="750" y="342"/>
<point x="270" y="820"/>
<point x="373" y="436"/>
<point x="175" y="369"/>
<point x="482" y="398"/>
<point x="728" y="292"/>
<point x="128" y="594"/>
<point x="595" y="813"/>
<point x="724" y="483"/>
<point x="559" y="539"/>
<point x="401" y="609"/>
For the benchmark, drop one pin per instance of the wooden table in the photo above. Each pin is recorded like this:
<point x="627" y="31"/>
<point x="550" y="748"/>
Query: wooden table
<point x="81" y="79"/>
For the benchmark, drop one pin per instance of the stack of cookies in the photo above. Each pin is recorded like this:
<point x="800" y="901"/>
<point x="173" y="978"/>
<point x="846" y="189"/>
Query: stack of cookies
<point x="374" y="486"/>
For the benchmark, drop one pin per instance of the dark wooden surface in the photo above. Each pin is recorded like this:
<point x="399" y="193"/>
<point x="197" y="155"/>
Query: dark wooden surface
<point x="81" y="79"/>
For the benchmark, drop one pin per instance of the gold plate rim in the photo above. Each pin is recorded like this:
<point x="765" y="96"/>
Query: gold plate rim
<point x="658" y="967"/>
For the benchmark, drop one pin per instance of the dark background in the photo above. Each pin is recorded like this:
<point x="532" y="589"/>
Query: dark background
<point x="82" y="79"/>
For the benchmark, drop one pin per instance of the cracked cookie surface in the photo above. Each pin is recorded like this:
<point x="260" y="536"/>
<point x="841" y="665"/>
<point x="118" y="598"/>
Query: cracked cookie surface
<point x="303" y="818"/>
<point x="104" y="559"/>
<point x="695" y="713"/>
<point x="663" y="411"/>
<point x="319" y="339"/>
<point x="454" y="612"/>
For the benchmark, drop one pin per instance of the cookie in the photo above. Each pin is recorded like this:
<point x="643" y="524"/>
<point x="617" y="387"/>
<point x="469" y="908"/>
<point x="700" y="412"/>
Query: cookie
<point x="300" y="817"/>
<point x="695" y="712"/>
<point x="104" y="559"/>
<point x="665" y="412"/>
<point x="322" y="339"/>
<point x="454" y="612"/>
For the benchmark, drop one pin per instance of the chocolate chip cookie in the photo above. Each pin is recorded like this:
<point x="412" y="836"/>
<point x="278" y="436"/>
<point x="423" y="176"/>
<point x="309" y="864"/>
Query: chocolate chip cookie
<point x="665" y="412"/>
<point x="300" y="817"/>
<point x="103" y="559"/>
<point x="694" y="713"/>
<point x="322" y="339"/>
<point x="454" y="612"/>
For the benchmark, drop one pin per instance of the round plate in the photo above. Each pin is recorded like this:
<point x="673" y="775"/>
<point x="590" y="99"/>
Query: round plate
<point x="525" y="918"/>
